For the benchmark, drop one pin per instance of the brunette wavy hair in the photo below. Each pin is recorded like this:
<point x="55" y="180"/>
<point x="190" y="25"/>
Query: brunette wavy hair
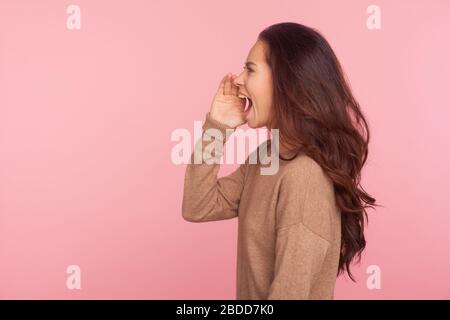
<point x="316" y="113"/>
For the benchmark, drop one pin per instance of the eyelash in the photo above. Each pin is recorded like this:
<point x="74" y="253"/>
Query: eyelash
<point x="249" y="70"/>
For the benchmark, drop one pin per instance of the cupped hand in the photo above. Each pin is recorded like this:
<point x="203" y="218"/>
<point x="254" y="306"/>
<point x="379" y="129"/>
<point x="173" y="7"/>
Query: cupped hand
<point x="227" y="107"/>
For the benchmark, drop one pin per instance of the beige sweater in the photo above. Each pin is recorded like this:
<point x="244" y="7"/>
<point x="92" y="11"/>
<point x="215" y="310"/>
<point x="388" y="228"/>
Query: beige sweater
<point x="289" y="228"/>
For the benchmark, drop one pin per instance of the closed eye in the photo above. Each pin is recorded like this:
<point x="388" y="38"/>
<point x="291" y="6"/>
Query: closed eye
<point x="248" y="69"/>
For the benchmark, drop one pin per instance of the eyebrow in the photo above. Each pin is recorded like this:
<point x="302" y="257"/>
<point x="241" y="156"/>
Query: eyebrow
<point x="249" y="63"/>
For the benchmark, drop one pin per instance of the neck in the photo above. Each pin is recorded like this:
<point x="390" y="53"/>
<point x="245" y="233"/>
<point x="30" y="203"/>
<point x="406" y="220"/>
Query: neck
<point x="285" y="149"/>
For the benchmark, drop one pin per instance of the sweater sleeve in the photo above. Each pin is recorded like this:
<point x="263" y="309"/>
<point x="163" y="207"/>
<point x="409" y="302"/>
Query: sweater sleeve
<point x="207" y="197"/>
<point x="302" y="230"/>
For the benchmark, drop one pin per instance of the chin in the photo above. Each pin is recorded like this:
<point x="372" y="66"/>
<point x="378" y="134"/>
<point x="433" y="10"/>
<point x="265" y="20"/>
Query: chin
<point x="251" y="124"/>
<point x="255" y="125"/>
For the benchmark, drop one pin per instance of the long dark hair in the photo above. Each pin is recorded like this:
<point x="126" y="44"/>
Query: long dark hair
<point x="315" y="112"/>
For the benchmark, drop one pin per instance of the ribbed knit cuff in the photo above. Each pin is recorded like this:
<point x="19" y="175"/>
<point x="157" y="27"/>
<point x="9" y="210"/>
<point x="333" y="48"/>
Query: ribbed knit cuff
<point x="213" y="130"/>
<point x="211" y="123"/>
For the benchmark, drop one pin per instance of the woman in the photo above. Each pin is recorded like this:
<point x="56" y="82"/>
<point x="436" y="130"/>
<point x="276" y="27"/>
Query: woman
<point x="302" y="226"/>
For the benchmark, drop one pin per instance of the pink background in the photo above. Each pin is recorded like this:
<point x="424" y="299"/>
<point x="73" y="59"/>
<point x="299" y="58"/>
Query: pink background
<point x="86" y="118"/>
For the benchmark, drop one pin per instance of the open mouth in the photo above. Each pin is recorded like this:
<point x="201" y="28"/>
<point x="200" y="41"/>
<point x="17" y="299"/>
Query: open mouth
<point x="248" y="103"/>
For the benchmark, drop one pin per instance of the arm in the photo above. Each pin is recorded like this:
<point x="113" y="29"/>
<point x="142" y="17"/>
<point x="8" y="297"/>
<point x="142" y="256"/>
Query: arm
<point x="302" y="233"/>
<point x="206" y="197"/>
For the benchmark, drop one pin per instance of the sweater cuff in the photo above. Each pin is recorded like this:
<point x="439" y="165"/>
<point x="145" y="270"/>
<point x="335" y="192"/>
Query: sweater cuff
<point x="211" y="123"/>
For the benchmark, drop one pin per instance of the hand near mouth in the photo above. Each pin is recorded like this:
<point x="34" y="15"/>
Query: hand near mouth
<point x="227" y="107"/>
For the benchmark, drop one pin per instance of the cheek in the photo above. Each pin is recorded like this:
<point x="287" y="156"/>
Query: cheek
<point x="267" y="104"/>
<point x="262" y="93"/>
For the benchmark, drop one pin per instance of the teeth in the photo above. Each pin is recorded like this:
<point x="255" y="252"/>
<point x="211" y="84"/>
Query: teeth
<point x="248" y="104"/>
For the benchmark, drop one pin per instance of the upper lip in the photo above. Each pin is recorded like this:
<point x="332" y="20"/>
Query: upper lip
<point x="243" y="94"/>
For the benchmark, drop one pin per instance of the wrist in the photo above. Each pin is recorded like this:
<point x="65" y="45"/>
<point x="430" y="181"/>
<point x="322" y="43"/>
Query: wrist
<point x="217" y="120"/>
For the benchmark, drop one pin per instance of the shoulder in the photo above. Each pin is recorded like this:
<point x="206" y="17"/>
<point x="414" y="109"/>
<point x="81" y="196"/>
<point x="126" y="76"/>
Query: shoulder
<point x="304" y="169"/>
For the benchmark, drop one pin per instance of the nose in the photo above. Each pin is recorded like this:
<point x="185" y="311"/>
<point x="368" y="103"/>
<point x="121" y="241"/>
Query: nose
<point x="238" y="80"/>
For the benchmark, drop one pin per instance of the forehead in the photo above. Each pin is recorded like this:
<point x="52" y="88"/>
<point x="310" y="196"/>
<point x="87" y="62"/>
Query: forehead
<point x="257" y="53"/>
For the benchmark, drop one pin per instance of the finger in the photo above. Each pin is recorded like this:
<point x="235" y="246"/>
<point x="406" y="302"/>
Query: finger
<point x="220" y="90"/>
<point x="234" y="87"/>
<point x="227" y="89"/>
